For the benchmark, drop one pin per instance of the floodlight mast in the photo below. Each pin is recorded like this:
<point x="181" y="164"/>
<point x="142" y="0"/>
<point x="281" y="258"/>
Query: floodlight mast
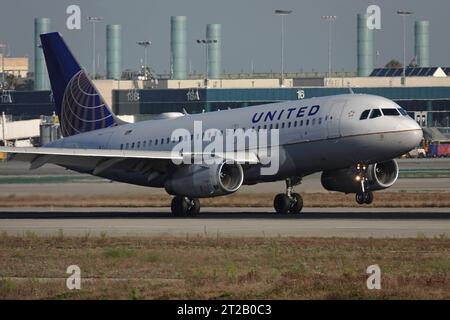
<point x="282" y="13"/>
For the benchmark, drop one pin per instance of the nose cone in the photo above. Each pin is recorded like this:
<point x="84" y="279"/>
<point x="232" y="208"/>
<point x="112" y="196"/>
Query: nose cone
<point x="415" y="135"/>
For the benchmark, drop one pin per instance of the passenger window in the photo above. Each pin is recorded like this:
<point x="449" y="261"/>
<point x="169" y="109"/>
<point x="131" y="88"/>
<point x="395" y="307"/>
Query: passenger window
<point x="138" y="144"/>
<point x="276" y="126"/>
<point x="162" y="140"/>
<point x="156" y="142"/>
<point x="307" y="122"/>
<point x="289" y="124"/>
<point x="375" y="113"/>
<point x="132" y="145"/>
<point x="127" y="146"/>
<point x="282" y="125"/>
<point x="313" y="121"/>
<point x="364" y="115"/>
<point x="149" y="143"/>
<point x="144" y="144"/>
<point x="390" y="112"/>
<point x="295" y="123"/>
<point x="320" y="120"/>
<point x="121" y="146"/>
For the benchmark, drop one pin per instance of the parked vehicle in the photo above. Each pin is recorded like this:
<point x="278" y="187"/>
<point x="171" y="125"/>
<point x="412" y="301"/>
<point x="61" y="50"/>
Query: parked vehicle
<point x="416" y="153"/>
<point x="439" y="149"/>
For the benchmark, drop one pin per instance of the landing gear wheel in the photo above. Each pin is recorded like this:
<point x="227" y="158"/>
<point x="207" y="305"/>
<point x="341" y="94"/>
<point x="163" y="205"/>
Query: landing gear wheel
<point x="368" y="197"/>
<point x="194" y="210"/>
<point x="296" y="203"/>
<point x="179" y="206"/>
<point x="185" y="207"/>
<point x="281" y="203"/>
<point x="364" y="197"/>
<point x="360" y="198"/>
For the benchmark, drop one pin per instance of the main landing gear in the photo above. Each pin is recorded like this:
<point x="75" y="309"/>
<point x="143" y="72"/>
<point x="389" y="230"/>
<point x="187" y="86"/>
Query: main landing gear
<point x="289" y="202"/>
<point x="364" y="196"/>
<point x="185" y="207"/>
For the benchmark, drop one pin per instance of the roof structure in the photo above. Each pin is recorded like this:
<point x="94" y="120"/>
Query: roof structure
<point x="411" y="72"/>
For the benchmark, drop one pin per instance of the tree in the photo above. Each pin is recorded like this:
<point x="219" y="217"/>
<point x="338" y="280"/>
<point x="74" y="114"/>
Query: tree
<point x="393" y="64"/>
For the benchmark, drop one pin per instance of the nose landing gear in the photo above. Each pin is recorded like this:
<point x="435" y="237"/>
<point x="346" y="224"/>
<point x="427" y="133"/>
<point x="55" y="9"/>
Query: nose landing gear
<point x="289" y="202"/>
<point x="364" y="196"/>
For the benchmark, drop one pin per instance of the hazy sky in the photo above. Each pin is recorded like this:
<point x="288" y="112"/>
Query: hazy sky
<point x="250" y="31"/>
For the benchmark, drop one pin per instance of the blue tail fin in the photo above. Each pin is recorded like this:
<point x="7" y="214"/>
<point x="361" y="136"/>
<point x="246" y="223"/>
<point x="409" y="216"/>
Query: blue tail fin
<point x="79" y="105"/>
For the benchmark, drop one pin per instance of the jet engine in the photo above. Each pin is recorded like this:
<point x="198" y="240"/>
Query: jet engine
<point x="201" y="181"/>
<point x="379" y="176"/>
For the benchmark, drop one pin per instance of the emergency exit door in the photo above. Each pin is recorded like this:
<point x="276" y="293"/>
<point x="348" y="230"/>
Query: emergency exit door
<point x="334" y="119"/>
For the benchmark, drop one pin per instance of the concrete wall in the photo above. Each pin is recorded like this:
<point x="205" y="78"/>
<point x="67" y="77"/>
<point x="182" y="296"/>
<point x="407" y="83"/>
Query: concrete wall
<point x="17" y="66"/>
<point x="223" y="83"/>
<point x="105" y="87"/>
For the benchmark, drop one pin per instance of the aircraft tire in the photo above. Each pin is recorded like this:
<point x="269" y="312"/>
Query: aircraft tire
<point x="281" y="203"/>
<point x="296" y="203"/>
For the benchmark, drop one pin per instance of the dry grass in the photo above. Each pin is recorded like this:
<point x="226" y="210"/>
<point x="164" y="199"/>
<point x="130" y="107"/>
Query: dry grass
<point x="34" y="267"/>
<point x="332" y="199"/>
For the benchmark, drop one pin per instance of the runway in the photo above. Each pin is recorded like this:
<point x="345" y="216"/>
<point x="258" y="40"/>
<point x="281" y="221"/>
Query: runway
<point x="242" y="222"/>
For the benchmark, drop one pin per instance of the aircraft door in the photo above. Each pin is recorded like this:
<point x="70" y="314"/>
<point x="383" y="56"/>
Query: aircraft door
<point x="334" y="119"/>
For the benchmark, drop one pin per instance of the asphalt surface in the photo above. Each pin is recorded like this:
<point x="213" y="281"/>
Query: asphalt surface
<point x="243" y="222"/>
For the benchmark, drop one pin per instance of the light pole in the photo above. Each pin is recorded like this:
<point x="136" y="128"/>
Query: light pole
<point x="94" y="20"/>
<point x="282" y="13"/>
<point x="145" y="44"/>
<point x="404" y="14"/>
<point x="330" y="20"/>
<point x="206" y="43"/>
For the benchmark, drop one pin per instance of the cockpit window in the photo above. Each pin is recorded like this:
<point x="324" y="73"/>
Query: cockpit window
<point x="364" y="115"/>
<point x="375" y="113"/>
<point x="402" y="111"/>
<point x="390" y="112"/>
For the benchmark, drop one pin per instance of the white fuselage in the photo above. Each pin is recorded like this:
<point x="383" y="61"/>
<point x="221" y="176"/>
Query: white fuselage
<point x="330" y="136"/>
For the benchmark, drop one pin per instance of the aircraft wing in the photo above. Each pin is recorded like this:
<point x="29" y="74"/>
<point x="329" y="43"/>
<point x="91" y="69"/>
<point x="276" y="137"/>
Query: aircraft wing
<point x="101" y="159"/>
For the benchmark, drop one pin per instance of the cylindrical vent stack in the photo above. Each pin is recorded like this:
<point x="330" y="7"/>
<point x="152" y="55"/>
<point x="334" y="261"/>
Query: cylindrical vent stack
<point x="214" y="37"/>
<point x="41" y="81"/>
<point x="422" y="43"/>
<point x="114" y="51"/>
<point x="178" y="48"/>
<point x="364" y="47"/>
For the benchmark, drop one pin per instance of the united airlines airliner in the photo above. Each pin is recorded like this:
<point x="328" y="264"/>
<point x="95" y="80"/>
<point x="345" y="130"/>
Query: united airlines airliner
<point x="351" y="139"/>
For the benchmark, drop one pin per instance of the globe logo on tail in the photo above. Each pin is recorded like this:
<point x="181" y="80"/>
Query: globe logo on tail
<point x="83" y="109"/>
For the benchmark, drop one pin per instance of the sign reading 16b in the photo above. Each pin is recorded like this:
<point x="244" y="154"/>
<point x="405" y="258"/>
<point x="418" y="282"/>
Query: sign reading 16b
<point x="133" y="95"/>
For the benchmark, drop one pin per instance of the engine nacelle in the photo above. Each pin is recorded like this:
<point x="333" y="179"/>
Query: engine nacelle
<point x="379" y="176"/>
<point x="201" y="181"/>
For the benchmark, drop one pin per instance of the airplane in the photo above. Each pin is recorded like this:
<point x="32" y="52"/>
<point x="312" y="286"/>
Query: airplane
<point x="353" y="139"/>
